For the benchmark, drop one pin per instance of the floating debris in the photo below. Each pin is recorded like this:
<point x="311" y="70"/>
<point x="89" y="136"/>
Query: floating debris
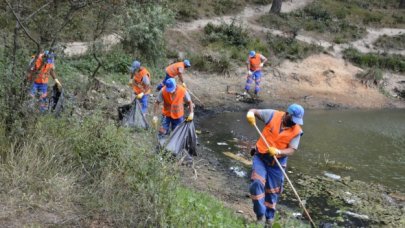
<point x="332" y="176"/>
<point x="297" y="215"/>
<point x="238" y="158"/>
<point x="355" y="215"/>
<point x="239" y="172"/>
<point x="222" y="143"/>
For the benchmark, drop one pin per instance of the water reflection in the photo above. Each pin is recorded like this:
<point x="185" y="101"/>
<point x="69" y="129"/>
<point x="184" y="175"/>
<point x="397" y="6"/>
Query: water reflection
<point x="366" y="145"/>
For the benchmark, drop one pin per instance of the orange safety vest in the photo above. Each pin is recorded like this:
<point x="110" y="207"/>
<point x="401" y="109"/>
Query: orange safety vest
<point x="38" y="63"/>
<point x="173" y="104"/>
<point x="271" y="133"/>
<point x="139" y="86"/>
<point x="173" y="70"/>
<point x="255" y="63"/>
<point x="43" y="70"/>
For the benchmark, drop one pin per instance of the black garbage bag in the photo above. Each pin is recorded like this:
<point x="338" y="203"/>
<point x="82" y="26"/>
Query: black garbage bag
<point x="131" y="115"/>
<point x="182" y="139"/>
<point x="56" y="101"/>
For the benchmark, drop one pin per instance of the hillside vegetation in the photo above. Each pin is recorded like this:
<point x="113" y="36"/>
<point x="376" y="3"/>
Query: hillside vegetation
<point x="83" y="169"/>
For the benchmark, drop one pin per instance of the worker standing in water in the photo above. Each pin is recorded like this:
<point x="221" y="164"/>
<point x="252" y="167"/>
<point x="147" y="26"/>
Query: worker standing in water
<point x="282" y="132"/>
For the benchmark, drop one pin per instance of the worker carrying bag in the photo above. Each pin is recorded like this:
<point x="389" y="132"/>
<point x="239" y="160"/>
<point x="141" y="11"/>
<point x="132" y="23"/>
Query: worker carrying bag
<point x="56" y="101"/>
<point x="131" y="115"/>
<point x="182" y="141"/>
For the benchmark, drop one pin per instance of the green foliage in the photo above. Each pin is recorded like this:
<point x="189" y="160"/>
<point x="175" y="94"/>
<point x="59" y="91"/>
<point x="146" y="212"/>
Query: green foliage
<point x="203" y="209"/>
<point x="211" y="63"/>
<point x="185" y="10"/>
<point x="291" y="48"/>
<point x="340" y="21"/>
<point x="226" y="42"/>
<point x="144" y="26"/>
<point x="391" y="42"/>
<point x="262" y="2"/>
<point x="374" y="75"/>
<point x="372" y="18"/>
<point x="97" y="170"/>
<point x="231" y="34"/>
<point x="389" y="62"/>
<point x="117" y="61"/>
<point x="226" y="6"/>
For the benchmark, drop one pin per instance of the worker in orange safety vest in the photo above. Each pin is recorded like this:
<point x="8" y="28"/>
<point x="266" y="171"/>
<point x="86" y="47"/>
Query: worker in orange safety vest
<point x="174" y="70"/>
<point x="282" y="132"/>
<point x="140" y="83"/>
<point x="39" y="74"/>
<point x="173" y="98"/>
<point x="255" y="64"/>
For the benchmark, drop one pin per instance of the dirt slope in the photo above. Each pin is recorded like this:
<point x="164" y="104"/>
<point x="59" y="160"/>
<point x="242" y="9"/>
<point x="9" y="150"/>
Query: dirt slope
<point x="320" y="81"/>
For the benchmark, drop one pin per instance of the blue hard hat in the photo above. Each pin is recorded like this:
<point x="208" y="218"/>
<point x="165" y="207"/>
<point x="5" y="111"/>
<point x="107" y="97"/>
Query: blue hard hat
<point x="135" y="65"/>
<point x="252" y="53"/>
<point x="187" y="63"/>
<point x="297" y="113"/>
<point x="170" y="85"/>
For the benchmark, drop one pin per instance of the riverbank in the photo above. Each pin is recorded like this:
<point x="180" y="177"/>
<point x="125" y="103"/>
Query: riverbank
<point x="333" y="199"/>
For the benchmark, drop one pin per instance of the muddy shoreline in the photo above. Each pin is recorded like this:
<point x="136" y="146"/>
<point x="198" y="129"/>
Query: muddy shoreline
<point x="341" y="202"/>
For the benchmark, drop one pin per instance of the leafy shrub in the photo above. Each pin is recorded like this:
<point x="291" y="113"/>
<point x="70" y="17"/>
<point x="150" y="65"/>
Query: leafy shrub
<point x="317" y="12"/>
<point x="370" y="18"/>
<point x="186" y="10"/>
<point x="291" y="48"/>
<point x="145" y="34"/>
<point x="211" y="63"/>
<point x="389" y="62"/>
<point x="226" y="6"/>
<point x="393" y="42"/>
<point x="117" y="61"/>
<point x="231" y="34"/>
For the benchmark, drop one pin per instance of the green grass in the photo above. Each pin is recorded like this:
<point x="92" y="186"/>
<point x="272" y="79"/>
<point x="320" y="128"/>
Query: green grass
<point x="370" y="60"/>
<point x="93" y="169"/>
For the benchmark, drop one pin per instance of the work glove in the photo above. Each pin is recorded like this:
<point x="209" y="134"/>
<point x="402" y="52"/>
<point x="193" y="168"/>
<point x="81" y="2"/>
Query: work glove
<point x="184" y="85"/>
<point x="261" y="64"/>
<point x="139" y="96"/>
<point x="190" y="117"/>
<point x="251" y="118"/>
<point x="130" y="82"/>
<point x="155" y="121"/>
<point x="58" y="84"/>
<point x="273" y="151"/>
<point x="250" y="73"/>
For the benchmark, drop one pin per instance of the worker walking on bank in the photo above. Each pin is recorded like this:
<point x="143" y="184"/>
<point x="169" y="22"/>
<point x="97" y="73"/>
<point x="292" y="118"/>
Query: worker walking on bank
<point x="39" y="73"/>
<point x="255" y="64"/>
<point x="173" y="98"/>
<point x="140" y="83"/>
<point x="282" y="132"/>
<point x="174" y="70"/>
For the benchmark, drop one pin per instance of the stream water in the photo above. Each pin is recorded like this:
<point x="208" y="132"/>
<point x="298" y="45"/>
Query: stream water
<point x="365" y="145"/>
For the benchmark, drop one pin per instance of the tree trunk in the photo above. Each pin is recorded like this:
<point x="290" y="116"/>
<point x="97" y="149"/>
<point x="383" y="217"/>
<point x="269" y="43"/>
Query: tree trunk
<point x="402" y="4"/>
<point x="276" y="6"/>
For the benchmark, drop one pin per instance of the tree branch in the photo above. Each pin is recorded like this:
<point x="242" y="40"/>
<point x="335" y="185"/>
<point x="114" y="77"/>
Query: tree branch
<point x="23" y="27"/>
<point x="67" y="19"/>
<point x="37" y="11"/>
